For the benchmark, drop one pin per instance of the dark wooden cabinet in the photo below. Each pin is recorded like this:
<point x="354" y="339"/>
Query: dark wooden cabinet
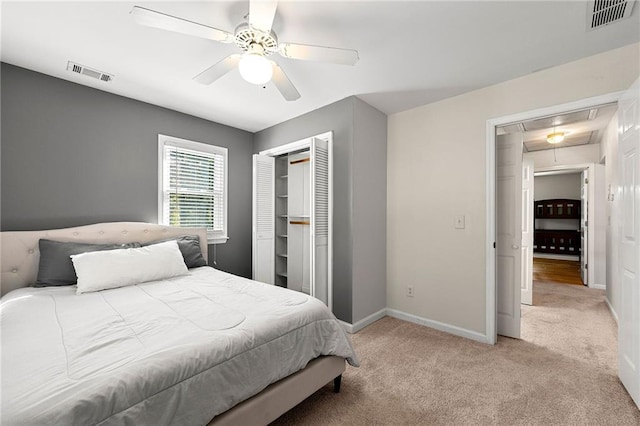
<point x="557" y="241"/>
<point x="558" y="208"/>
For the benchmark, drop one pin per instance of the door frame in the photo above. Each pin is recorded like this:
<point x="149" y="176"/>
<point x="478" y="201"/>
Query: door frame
<point x="591" y="196"/>
<point x="491" y="293"/>
<point x="304" y="144"/>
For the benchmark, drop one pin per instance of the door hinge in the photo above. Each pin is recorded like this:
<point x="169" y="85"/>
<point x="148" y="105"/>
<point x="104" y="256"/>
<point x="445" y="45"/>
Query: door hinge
<point x="586" y="266"/>
<point x="586" y="180"/>
<point x="494" y="244"/>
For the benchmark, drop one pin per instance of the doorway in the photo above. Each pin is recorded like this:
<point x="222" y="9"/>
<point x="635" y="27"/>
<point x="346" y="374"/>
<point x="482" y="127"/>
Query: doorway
<point x="492" y="173"/>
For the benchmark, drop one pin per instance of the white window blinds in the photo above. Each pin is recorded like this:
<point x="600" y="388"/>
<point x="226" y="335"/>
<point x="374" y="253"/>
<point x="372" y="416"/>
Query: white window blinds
<point x="194" y="183"/>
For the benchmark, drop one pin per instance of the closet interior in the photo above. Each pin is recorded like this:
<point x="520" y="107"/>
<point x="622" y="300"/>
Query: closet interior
<point x="292" y="215"/>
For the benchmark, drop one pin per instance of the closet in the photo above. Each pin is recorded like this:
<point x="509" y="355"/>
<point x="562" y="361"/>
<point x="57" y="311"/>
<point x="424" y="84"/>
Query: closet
<point x="292" y="217"/>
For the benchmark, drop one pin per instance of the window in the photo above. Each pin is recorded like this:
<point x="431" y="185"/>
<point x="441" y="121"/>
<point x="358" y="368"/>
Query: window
<point x="193" y="186"/>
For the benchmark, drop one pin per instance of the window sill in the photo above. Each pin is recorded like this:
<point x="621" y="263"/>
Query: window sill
<point x="217" y="240"/>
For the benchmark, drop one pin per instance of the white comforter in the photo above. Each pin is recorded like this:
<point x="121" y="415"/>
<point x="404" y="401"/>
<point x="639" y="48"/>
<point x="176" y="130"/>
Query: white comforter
<point x="178" y="351"/>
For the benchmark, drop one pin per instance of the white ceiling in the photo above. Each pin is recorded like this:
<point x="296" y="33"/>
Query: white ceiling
<point x="411" y="53"/>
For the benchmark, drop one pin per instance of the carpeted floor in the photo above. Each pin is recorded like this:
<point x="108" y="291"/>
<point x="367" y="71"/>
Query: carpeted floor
<point x="562" y="373"/>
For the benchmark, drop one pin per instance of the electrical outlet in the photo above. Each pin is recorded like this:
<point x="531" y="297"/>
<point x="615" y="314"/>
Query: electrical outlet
<point x="409" y="291"/>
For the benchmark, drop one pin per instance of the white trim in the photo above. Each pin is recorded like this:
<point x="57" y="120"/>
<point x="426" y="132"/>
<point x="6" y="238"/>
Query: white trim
<point x="287" y="148"/>
<point x="591" y="196"/>
<point x="359" y="325"/>
<point x="613" y="311"/>
<point x="491" y="295"/>
<point x="556" y="256"/>
<point x="598" y="286"/>
<point x="297" y="145"/>
<point x="166" y="140"/>
<point x="490" y="183"/>
<point x="329" y="138"/>
<point x="568" y="168"/>
<point x="447" y="328"/>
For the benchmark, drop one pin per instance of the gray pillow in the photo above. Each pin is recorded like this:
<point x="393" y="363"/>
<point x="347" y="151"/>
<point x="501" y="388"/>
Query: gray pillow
<point x="189" y="246"/>
<point x="56" y="268"/>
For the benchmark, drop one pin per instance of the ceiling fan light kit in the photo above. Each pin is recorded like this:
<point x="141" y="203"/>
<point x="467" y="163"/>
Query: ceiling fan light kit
<point x="256" y="39"/>
<point x="555" y="137"/>
<point x="255" y="68"/>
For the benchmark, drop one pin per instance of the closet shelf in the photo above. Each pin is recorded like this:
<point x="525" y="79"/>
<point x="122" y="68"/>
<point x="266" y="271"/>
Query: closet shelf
<point x="282" y="255"/>
<point x="283" y="236"/>
<point x="283" y="275"/>
<point x="283" y="176"/>
<point x="283" y="196"/>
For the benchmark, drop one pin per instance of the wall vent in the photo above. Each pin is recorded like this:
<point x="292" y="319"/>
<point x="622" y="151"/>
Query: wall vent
<point x="81" y="69"/>
<point x="605" y="12"/>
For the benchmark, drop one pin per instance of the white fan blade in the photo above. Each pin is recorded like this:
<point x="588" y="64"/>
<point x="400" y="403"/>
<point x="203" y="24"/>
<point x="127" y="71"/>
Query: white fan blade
<point x="151" y="18"/>
<point x="216" y="71"/>
<point x="262" y="13"/>
<point x="318" y="53"/>
<point x="283" y="84"/>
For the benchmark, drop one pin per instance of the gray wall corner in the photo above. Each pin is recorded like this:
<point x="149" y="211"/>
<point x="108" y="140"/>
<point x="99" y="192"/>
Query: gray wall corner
<point x="369" y="210"/>
<point x="338" y="118"/>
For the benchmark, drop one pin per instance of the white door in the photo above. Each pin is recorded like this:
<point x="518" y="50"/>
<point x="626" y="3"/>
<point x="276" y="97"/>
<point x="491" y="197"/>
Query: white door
<point x="584" y="228"/>
<point x="508" y="232"/>
<point x="263" y="219"/>
<point x="321" y="220"/>
<point x="629" y="240"/>
<point x="527" y="232"/>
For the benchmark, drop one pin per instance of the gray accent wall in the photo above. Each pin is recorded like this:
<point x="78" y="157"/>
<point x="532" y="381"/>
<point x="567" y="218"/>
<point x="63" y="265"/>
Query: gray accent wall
<point x="73" y="155"/>
<point x="567" y="185"/>
<point x="359" y="205"/>
<point x="369" y="166"/>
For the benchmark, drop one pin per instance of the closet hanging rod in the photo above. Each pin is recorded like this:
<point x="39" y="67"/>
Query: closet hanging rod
<point x="303" y="160"/>
<point x="299" y="222"/>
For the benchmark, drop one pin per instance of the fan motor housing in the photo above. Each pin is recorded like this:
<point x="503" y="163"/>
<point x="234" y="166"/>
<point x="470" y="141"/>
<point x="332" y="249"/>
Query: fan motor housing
<point x="246" y="35"/>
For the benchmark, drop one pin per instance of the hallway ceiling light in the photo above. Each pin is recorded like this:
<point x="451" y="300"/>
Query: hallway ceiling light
<point x="555" y="137"/>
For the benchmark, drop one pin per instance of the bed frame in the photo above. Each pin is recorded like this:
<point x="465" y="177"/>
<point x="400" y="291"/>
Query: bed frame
<point x="19" y="258"/>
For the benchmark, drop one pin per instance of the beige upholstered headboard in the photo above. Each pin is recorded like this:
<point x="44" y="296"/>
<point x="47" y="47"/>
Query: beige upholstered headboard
<point x="19" y="254"/>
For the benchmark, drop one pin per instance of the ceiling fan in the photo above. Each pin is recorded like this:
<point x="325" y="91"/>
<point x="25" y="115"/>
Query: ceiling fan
<point x="256" y="39"/>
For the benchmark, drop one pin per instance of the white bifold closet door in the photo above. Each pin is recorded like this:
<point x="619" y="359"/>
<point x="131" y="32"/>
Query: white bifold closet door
<point x="309" y="216"/>
<point x="263" y="222"/>
<point x="321" y="226"/>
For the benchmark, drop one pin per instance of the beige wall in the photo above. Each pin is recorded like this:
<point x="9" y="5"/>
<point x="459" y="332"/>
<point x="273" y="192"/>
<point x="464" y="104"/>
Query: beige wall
<point x="436" y="170"/>
<point x="582" y="154"/>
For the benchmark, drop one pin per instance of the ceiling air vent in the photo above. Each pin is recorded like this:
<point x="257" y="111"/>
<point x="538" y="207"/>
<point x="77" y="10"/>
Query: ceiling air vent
<point x="81" y="69"/>
<point x="605" y="12"/>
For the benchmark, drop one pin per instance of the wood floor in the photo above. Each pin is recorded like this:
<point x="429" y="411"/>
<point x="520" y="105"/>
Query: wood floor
<point x="557" y="271"/>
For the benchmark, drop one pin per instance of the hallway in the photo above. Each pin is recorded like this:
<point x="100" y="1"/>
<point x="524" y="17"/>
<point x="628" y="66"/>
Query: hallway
<point x="557" y="271"/>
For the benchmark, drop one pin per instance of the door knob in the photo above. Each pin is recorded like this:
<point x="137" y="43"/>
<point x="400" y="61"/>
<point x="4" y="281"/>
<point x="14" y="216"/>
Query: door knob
<point x="515" y="247"/>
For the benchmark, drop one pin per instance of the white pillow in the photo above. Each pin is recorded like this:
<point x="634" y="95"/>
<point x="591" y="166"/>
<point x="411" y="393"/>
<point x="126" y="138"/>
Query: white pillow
<point x="100" y="270"/>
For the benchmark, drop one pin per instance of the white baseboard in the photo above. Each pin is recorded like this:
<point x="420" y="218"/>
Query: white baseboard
<point x="447" y="328"/>
<point x="598" y="286"/>
<point x="359" y="325"/>
<point x="613" y="312"/>
<point x="556" y="256"/>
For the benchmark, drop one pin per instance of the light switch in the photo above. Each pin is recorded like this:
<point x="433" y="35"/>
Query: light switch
<point x="459" y="221"/>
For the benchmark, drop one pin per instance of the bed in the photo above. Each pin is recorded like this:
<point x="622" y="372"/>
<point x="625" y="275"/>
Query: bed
<point x="206" y="347"/>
